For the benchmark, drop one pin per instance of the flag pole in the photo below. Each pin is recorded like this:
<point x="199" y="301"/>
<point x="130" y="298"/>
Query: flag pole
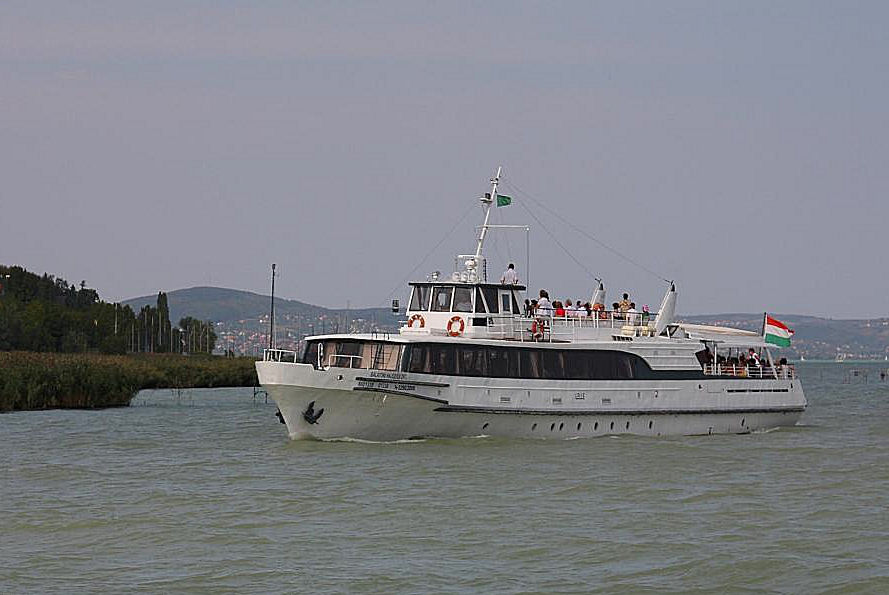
<point x="764" y="317"/>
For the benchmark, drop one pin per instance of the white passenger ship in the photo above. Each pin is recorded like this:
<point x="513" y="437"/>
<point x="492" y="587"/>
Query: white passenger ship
<point x="468" y="361"/>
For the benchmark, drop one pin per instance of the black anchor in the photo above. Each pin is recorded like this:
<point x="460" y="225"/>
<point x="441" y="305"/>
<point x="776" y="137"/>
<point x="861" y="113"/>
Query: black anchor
<point x="309" y="414"/>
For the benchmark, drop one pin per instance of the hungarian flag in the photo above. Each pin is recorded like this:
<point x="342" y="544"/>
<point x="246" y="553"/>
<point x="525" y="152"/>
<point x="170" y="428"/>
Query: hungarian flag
<point x="776" y="332"/>
<point x="503" y="200"/>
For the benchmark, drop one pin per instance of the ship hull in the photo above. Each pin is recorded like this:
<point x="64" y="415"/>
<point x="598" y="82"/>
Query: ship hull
<point x="320" y="405"/>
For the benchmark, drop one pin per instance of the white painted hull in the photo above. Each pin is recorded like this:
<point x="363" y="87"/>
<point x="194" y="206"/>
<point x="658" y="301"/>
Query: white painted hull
<point x="385" y="413"/>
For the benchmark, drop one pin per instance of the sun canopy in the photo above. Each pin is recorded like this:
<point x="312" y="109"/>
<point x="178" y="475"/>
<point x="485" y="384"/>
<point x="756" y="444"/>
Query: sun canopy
<point x="723" y="335"/>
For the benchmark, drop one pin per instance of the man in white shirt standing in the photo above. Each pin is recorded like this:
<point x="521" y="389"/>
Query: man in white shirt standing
<point x="509" y="276"/>
<point x="632" y="314"/>
<point x="544" y="306"/>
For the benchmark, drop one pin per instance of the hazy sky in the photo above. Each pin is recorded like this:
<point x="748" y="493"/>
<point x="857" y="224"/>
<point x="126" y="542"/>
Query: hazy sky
<point x="739" y="148"/>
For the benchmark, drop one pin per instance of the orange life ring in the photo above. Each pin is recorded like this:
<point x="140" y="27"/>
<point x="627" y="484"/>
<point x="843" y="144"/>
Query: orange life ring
<point x="451" y="322"/>
<point x="415" y="318"/>
<point x="536" y="330"/>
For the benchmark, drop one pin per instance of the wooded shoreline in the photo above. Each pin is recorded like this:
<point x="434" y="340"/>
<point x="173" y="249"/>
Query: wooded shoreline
<point x="32" y="381"/>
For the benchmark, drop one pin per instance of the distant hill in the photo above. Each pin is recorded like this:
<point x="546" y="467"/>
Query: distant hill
<point x="232" y="305"/>
<point x="815" y="337"/>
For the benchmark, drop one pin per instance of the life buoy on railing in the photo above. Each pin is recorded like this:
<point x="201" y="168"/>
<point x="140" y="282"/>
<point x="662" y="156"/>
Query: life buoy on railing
<point x="416" y="318"/>
<point x="455" y="321"/>
<point x="537" y="329"/>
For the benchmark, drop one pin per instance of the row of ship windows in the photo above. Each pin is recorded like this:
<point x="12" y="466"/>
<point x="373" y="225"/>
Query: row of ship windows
<point x="561" y="426"/>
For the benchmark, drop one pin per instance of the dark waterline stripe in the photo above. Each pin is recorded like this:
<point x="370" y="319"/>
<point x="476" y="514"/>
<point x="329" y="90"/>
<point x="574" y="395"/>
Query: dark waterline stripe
<point x="496" y="411"/>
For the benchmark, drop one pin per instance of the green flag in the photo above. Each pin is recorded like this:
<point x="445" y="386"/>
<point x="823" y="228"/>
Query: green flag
<point x="503" y="200"/>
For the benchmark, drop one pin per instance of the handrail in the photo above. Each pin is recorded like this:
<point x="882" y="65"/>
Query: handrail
<point x="785" y="372"/>
<point x="279" y="355"/>
<point x="351" y="359"/>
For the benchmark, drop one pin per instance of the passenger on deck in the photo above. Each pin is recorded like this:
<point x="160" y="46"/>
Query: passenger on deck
<point x="509" y="276"/>
<point x="632" y="314"/>
<point x="559" y="308"/>
<point x="645" y="315"/>
<point x="544" y="306"/>
<point x="527" y="308"/>
<point x="624" y="304"/>
<point x="753" y="357"/>
<point x="533" y="311"/>
<point x="615" y="307"/>
<point x="599" y="310"/>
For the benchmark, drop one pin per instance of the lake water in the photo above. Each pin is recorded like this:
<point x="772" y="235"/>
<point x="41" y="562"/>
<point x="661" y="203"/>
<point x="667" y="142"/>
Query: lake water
<point x="204" y="492"/>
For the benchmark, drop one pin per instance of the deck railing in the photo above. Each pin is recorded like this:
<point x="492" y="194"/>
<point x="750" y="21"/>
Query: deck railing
<point x="279" y="355"/>
<point x="565" y="328"/>
<point x="786" y="372"/>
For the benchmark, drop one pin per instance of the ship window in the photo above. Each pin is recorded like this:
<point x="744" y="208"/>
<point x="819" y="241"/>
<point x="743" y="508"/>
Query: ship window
<point x="578" y="365"/>
<point x="491" y="299"/>
<point x="553" y="364"/>
<point x="420" y="360"/>
<point x="463" y="299"/>
<point x="420" y="298"/>
<point x="514" y="362"/>
<point x="444" y="359"/>
<point x="503" y="362"/>
<point x="515" y="304"/>
<point x="310" y="355"/>
<point x="342" y="354"/>
<point x="384" y="356"/>
<point x="479" y="301"/>
<point x="504" y="303"/>
<point x="441" y="299"/>
<point x="473" y="360"/>
<point x="531" y="366"/>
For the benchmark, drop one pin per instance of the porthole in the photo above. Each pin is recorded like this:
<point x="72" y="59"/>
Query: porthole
<point x="650" y="423"/>
<point x="533" y="427"/>
<point x="561" y="426"/>
<point x="628" y="425"/>
<point x="485" y="427"/>
<point x="596" y="426"/>
<point x="578" y="427"/>
<point x="742" y="422"/>
<point x="612" y="425"/>
<point x="552" y="426"/>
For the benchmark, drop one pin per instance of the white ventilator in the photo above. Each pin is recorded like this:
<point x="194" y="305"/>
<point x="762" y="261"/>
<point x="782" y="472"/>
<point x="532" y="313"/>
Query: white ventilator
<point x="667" y="312"/>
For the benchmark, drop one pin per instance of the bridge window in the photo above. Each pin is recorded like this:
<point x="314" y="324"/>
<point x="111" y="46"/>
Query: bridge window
<point x="504" y="302"/>
<point x="420" y="298"/>
<point x="463" y="299"/>
<point x="441" y="298"/>
<point x="491" y="299"/>
<point x="479" y="301"/>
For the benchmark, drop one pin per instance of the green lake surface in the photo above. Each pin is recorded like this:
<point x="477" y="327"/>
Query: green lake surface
<point x="203" y="492"/>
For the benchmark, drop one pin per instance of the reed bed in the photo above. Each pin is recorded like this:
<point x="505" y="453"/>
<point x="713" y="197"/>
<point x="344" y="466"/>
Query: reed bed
<point x="32" y="381"/>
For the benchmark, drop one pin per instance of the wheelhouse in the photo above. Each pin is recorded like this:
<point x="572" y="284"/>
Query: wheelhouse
<point x="465" y="298"/>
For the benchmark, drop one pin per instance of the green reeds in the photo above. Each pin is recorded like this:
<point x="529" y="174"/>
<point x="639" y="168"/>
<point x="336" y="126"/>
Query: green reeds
<point x="30" y="381"/>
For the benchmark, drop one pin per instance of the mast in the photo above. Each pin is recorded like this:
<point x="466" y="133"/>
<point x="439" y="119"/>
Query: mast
<point x="488" y="200"/>
<point x="272" y="313"/>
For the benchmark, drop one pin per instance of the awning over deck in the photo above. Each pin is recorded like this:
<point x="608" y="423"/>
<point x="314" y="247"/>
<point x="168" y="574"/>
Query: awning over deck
<point x="729" y="337"/>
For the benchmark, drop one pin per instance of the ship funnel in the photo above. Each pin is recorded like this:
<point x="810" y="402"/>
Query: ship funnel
<point x="599" y="295"/>
<point x="667" y="312"/>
